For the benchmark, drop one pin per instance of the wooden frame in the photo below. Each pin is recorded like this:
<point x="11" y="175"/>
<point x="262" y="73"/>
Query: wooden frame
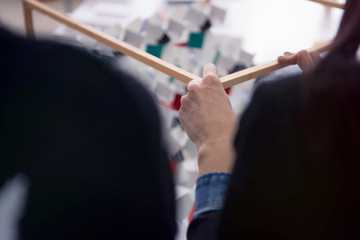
<point x="146" y="58"/>
<point x="330" y="3"/>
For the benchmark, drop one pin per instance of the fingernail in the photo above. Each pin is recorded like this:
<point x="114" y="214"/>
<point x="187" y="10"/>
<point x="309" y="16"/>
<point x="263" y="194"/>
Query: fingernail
<point x="280" y="56"/>
<point x="286" y="52"/>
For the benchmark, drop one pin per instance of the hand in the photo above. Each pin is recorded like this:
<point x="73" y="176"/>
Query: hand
<point x="307" y="61"/>
<point x="209" y="120"/>
<point x="206" y="113"/>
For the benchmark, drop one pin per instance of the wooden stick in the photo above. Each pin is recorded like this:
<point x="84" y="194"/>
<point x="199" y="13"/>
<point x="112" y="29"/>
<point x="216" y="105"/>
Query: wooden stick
<point x="250" y="73"/>
<point x="330" y="3"/>
<point x="260" y="70"/>
<point x="44" y="1"/>
<point x="112" y="42"/>
<point x="28" y="17"/>
<point x="148" y="59"/>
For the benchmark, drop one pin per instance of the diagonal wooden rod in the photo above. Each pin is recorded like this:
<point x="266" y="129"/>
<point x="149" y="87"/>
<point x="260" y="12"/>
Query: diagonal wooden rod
<point x="28" y="18"/>
<point x="112" y="42"/>
<point x="330" y="3"/>
<point x="148" y="59"/>
<point x="260" y="70"/>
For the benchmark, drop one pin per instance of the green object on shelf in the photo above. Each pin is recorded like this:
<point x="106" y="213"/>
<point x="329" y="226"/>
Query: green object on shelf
<point x="196" y="40"/>
<point x="171" y="79"/>
<point x="216" y="58"/>
<point x="154" y="50"/>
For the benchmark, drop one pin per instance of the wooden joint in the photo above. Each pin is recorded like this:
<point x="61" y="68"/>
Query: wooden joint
<point x="142" y="56"/>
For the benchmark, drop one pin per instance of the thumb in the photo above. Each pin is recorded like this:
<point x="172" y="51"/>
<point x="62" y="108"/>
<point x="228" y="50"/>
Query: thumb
<point x="210" y="75"/>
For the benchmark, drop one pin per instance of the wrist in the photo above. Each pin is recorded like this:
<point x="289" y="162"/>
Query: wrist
<point x="216" y="156"/>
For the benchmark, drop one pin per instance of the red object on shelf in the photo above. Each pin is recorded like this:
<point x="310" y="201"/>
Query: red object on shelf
<point x="173" y="166"/>
<point x="165" y="104"/>
<point x="227" y="90"/>
<point x="177" y="102"/>
<point x="181" y="44"/>
<point x="191" y="213"/>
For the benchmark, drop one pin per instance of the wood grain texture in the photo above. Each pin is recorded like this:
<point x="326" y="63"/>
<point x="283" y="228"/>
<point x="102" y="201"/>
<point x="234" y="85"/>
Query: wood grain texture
<point x="262" y="69"/>
<point x="330" y="3"/>
<point x="49" y="1"/>
<point x="112" y="42"/>
<point x="144" y="57"/>
<point x="250" y="73"/>
<point x="28" y="18"/>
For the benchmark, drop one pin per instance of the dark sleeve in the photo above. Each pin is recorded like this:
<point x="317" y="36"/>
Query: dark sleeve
<point x="88" y="138"/>
<point x="205" y="226"/>
<point x="209" y="200"/>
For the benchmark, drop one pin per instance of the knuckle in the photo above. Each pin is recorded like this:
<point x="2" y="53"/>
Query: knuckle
<point x="181" y="113"/>
<point x="302" y="53"/>
<point x="211" y="78"/>
<point x="314" y="53"/>
<point x="183" y="99"/>
<point x="184" y="102"/>
<point x="193" y="88"/>
<point x="181" y="117"/>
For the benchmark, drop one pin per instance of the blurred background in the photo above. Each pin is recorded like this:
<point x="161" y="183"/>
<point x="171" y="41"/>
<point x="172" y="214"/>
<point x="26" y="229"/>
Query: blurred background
<point x="233" y="34"/>
<point x="267" y="28"/>
<point x="11" y="15"/>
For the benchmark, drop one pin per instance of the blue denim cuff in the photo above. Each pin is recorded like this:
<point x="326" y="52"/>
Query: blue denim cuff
<point x="210" y="192"/>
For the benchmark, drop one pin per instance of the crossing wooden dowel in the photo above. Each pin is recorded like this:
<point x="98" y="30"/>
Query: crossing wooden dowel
<point x="330" y="3"/>
<point x="28" y="18"/>
<point x="108" y="40"/>
<point x="262" y="69"/>
<point x="144" y="57"/>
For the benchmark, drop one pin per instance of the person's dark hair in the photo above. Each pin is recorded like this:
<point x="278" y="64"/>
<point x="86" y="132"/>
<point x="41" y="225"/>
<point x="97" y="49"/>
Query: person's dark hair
<point x="332" y="90"/>
<point x="297" y="169"/>
<point x="331" y="124"/>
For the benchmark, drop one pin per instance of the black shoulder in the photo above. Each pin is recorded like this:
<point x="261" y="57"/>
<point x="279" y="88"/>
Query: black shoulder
<point x="81" y="71"/>
<point x="277" y="91"/>
<point x="268" y="158"/>
<point x="269" y="126"/>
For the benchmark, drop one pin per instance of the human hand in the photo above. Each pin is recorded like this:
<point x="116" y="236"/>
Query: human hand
<point x="209" y="120"/>
<point x="206" y="113"/>
<point x="307" y="61"/>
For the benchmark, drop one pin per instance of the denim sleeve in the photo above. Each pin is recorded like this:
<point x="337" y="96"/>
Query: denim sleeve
<point x="210" y="192"/>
